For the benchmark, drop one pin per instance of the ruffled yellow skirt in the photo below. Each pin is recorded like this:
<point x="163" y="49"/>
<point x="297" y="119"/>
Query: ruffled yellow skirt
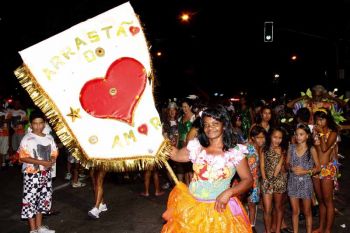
<point x="185" y="214"/>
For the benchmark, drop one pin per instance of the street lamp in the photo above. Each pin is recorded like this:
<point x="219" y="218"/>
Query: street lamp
<point x="185" y="17"/>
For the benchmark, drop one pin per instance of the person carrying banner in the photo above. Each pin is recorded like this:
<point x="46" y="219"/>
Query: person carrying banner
<point x="97" y="177"/>
<point x="209" y="204"/>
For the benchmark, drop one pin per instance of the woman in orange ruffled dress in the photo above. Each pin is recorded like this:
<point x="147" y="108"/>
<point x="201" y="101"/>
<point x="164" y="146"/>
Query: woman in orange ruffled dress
<point x="209" y="204"/>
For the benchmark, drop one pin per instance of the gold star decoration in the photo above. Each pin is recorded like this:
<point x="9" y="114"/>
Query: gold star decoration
<point x="74" y="113"/>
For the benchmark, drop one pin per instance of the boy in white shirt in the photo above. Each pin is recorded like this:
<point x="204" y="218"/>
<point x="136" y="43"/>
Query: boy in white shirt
<point x="38" y="153"/>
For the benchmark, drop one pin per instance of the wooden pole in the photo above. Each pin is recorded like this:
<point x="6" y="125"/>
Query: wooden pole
<point x="171" y="172"/>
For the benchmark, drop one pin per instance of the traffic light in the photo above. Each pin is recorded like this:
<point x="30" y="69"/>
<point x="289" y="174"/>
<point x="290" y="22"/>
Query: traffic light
<point x="268" y="31"/>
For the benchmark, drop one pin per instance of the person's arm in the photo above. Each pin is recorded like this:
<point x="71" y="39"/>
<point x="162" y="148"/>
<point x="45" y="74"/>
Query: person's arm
<point x="182" y="155"/>
<point x="279" y="166"/>
<point x="45" y="163"/>
<point x="191" y="134"/>
<point x="341" y="102"/>
<point x="246" y="182"/>
<point x="317" y="168"/>
<point x="262" y="165"/>
<point x="325" y="146"/>
<point x="291" y="103"/>
<point x="289" y="156"/>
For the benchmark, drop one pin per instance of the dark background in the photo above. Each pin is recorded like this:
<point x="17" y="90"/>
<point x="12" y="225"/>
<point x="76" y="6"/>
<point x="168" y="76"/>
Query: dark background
<point x="221" y="49"/>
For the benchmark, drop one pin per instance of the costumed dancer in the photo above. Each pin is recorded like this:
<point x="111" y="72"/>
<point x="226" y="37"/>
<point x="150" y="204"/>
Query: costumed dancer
<point x="317" y="98"/>
<point x="210" y="204"/>
<point x="325" y="131"/>
<point x="257" y="138"/>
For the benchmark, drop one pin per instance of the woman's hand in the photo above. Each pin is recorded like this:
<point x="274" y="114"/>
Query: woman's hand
<point x="317" y="140"/>
<point x="318" y="129"/>
<point x="47" y="163"/>
<point x="173" y="152"/>
<point x="277" y="170"/>
<point x="222" y="200"/>
<point x="299" y="171"/>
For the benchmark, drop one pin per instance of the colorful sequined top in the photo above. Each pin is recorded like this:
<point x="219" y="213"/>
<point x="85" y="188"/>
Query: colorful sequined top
<point x="253" y="162"/>
<point x="212" y="173"/>
<point x="313" y="106"/>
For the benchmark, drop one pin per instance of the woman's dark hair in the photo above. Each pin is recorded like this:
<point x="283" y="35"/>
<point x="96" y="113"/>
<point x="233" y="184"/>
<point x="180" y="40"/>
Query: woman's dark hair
<point x="190" y="102"/>
<point x="326" y="114"/>
<point x="310" y="140"/>
<point x="196" y="123"/>
<point x="272" y="121"/>
<point x="235" y="118"/>
<point x="284" y="143"/>
<point x="256" y="130"/>
<point x="303" y="114"/>
<point x="219" y="113"/>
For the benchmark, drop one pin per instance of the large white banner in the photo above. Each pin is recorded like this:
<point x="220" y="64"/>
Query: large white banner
<point x="94" y="82"/>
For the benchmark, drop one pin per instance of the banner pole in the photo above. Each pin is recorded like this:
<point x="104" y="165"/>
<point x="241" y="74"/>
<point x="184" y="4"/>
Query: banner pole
<point x="171" y="172"/>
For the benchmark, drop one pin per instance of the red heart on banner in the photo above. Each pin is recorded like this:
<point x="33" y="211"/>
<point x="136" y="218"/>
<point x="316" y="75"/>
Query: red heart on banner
<point x="134" y="30"/>
<point x="143" y="129"/>
<point x="116" y="95"/>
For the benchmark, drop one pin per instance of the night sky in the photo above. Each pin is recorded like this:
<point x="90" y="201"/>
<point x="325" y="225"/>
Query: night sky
<point x="221" y="49"/>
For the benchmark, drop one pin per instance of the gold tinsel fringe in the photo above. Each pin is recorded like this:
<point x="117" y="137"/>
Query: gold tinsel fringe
<point x="42" y="100"/>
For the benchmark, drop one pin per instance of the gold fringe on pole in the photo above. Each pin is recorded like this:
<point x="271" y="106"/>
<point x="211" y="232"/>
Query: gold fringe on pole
<point x="48" y="107"/>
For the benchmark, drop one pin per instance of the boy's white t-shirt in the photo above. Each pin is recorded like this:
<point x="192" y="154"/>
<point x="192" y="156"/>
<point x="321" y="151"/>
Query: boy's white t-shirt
<point x="38" y="147"/>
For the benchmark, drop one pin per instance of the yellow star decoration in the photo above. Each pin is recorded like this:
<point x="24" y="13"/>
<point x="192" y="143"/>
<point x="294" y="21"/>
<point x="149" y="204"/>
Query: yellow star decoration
<point x="74" y="113"/>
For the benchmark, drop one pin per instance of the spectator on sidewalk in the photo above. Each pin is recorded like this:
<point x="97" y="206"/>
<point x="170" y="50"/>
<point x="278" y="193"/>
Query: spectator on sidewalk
<point x="38" y="153"/>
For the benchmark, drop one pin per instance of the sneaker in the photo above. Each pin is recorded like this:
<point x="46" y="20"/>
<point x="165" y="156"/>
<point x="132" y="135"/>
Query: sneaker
<point x="78" y="185"/>
<point x="68" y="176"/>
<point x="94" y="213"/>
<point x="102" y="207"/>
<point x="44" y="229"/>
<point x="33" y="231"/>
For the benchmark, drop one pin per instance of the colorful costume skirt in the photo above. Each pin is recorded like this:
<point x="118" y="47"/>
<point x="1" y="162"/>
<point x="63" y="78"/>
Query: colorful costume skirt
<point x="186" y="214"/>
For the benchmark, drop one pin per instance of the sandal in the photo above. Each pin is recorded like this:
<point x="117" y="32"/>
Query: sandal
<point x="159" y="194"/>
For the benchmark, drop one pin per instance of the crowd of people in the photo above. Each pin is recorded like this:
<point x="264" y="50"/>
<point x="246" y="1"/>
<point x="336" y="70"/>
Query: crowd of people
<point x="229" y="158"/>
<point x="292" y="154"/>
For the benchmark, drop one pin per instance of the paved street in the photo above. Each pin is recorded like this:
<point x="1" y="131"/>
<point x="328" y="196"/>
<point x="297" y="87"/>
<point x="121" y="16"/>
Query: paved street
<point x="128" y="212"/>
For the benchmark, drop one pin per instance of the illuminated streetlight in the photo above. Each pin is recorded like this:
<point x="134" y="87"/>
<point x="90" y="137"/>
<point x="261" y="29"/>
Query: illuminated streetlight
<point x="276" y="75"/>
<point x="185" y="17"/>
<point x="159" y="54"/>
<point x="294" y="57"/>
